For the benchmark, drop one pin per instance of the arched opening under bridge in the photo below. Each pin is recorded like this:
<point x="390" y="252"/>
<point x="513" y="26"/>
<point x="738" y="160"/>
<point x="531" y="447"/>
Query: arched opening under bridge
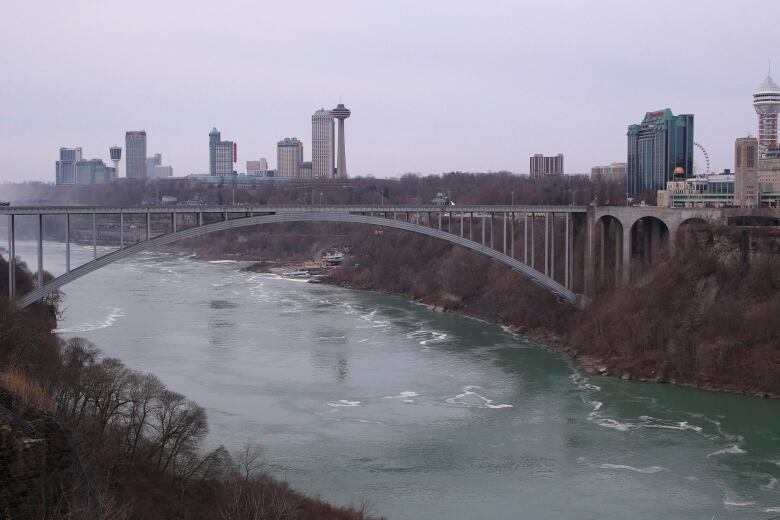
<point x="649" y="245"/>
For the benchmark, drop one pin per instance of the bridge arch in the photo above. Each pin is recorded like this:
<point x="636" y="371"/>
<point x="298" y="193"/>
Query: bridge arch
<point x="650" y="241"/>
<point x="535" y="276"/>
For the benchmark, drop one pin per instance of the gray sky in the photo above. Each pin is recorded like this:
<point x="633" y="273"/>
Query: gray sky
<point x="433" y="85"/>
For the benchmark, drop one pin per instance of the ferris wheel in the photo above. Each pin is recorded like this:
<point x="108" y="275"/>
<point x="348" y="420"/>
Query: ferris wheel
<point x="707" y="171"/>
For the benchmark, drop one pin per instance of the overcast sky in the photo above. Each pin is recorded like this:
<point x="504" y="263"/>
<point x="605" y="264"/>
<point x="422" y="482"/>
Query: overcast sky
<point x="433" y="85"/>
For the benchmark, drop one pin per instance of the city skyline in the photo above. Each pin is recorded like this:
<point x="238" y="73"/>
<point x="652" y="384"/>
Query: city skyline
<point x="475" y="104"/>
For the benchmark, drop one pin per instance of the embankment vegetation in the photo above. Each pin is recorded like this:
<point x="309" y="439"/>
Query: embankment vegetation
<point x="127" y="446"/>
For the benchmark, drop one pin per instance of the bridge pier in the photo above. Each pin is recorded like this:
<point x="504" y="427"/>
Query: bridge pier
<point x="40" y="250"/>
<point x="11" y="259"/>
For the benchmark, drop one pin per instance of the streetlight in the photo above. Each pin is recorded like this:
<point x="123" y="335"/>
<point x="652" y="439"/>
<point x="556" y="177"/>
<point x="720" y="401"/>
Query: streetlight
<point x="513" y="198"/>
<point x="320" y="198"/>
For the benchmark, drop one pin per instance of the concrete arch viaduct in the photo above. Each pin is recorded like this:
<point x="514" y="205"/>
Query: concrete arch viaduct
<point x="566" y="250"/>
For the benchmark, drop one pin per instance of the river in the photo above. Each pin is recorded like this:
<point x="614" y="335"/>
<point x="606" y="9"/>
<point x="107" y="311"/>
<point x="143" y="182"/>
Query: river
<point x="358" y="396"/>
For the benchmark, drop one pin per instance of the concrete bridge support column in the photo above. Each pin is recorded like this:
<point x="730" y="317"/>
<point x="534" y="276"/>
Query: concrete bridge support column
<point x="533" y="241"/>
<point x="483" y="228"/>
<point x="491" y="230"/>
<point x="672" y="239"/>
<point x="552" y="246"/>
<point x="11" y="259"/>
<point x="547" y="244"/>
<point x="67" y="242"/>
<point x="525" y="240"/>
<point x="626" y="264"/>
<point x="504" y="244"/>
<point x="566" y="248"/>
<point x="121" y="230"/>
<point x="603" y="232"/>
<point x="512" y="232"/>
<point x="461" y="224"/>
<point x="94" y="236"/>
<point x="618" y="238"/>
<point x="40" y="250"/>
<point x="588" y="261"/>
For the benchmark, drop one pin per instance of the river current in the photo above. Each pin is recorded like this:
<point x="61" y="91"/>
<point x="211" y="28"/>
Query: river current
<point x="358" y="396"/>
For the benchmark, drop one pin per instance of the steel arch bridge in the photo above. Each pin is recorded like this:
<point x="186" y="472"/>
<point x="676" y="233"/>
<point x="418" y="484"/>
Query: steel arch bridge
<point x="415" y="219"/>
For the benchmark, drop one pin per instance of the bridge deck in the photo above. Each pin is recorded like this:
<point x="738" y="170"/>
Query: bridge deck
<point x="257" y="208"/>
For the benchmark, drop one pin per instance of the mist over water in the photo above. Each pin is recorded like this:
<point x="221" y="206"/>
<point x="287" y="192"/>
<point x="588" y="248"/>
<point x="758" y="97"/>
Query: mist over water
<point x="360" y="396"/>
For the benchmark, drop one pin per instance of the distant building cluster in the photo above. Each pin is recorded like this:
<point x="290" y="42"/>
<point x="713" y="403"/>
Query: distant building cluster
<point x="72" y="169"/>
<point x="756" y="178"/>
<point x="290" y="161"/>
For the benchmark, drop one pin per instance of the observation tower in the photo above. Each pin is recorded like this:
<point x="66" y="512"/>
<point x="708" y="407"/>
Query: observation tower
<point x="341" y="113"/>
<point x="116" y="156"/>
<point x="766" y="101"/>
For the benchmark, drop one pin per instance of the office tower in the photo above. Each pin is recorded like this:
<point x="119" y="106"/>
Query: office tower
<point x="658" y="145"/>
<point x="65" y="168"/>
<point x="746" y="164"/>
<point x="542" y="165"/>
<point x="289" y="156"/>
<point x="214" y="139"/>
<point x="116" y="155"/>
<point x="257" y="168"/>
<point x="135" y="154"/>
<point x="766" y="101"/>
<point x="222" y="154"/>
<point x="323" y="156"/>
<point x="341" y="113"/>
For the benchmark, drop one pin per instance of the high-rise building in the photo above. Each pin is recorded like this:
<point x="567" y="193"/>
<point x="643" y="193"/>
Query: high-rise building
<point x="222" y="154"/>
<point x="323" y="153"/>
<point x="613" y="172"/>
<point x="257" y="168"/>
<point x="135" y="154"/>
<point x="214" y="139"/>
<point x="65" y="168"/>
<point x="658" y="145"/>
<point x="151" y="162"/>
<point x="341" y="113"/>
<point x="542" y="165"/>
<point x="746" y="164"/>
<point x="289" y="156"/>
<point x="766" y="101"/>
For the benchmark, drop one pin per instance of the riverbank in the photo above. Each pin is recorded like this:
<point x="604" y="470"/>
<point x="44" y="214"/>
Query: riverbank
<point x="704" y="319"/>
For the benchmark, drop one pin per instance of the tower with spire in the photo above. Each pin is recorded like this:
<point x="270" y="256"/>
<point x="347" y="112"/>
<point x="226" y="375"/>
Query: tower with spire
<point x="766" y="101"/>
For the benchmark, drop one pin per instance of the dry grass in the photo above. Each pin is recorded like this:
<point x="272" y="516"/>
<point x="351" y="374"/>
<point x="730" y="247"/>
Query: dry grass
<point x="25" y="390"/>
